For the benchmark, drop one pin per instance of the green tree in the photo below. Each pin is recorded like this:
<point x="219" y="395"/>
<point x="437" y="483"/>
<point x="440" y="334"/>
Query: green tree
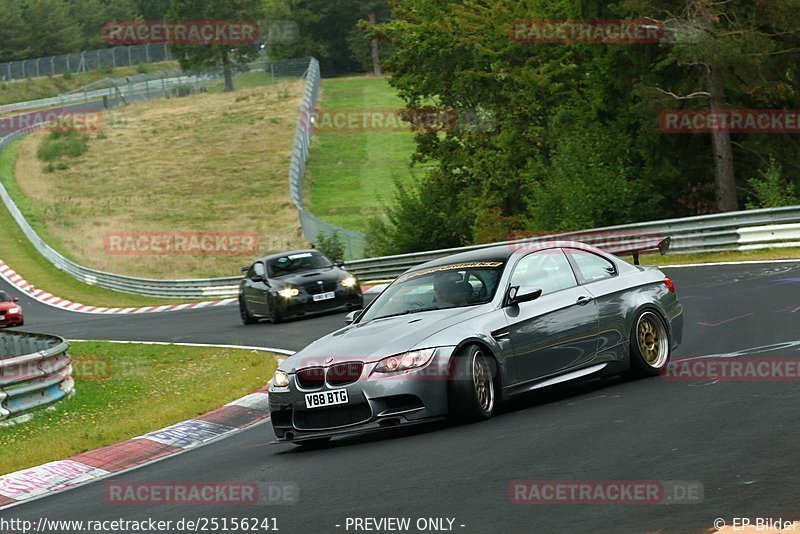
<point x="50" y="28"/>
<point x="329" y="30"/>
<point x="738" y="53"/>
<point x="194" y="56"/>
<point x="13" y="34"/>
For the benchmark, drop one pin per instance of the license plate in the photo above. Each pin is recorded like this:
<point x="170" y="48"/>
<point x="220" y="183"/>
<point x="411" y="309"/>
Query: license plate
<point x="326" y="398"/>
<point x="324" y="296"/>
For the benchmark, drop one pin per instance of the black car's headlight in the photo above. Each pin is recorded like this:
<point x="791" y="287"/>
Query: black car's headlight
<point x="403" y="362"/>
<point x="281" y="379"/>
<point x="349" y="281"/>
<point x="288" y="292"/>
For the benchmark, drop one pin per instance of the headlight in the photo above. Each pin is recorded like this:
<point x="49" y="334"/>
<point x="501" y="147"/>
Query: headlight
<point x="405" y="361"/>
<point x="280" y="379"/>
<point x="350" y="281"/>
<point x="289" y="292"/>
<point x="14" y="310"/>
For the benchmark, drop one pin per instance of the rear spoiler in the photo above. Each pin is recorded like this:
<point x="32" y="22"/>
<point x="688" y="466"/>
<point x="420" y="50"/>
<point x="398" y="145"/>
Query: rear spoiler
<point x="640" y="246"/>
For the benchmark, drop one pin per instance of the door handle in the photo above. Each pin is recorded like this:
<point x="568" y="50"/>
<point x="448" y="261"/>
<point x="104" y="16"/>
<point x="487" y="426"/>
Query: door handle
<point x="583" y="300"/>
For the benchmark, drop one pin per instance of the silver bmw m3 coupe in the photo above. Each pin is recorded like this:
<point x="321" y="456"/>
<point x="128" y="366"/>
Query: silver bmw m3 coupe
<point x="456" y="336"/>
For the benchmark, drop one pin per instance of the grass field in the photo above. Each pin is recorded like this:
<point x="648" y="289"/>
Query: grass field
<point x="351" y="171"/>
<point x="715" y="257"/>
<point x="214" y="162"/>
<point x="129" y="390"/>
<point x="17" y="251"/>
<point x="50" y="86"/>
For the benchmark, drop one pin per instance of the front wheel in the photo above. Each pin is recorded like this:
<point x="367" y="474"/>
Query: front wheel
<point x="472" y="386"/>
<point x="650" y="347"/>
<point x="244" y="313"/>
<point x="275" y="315"/>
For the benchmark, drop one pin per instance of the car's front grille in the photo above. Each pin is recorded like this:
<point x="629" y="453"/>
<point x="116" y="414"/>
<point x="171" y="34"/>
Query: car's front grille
<point x="311" y="377"/>
<point x="335" y="416"/>
<point x="344" y="373"/>
<point x="317" y="288"/>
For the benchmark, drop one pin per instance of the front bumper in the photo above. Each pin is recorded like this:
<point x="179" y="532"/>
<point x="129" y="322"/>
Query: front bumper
<point x="375" y="401"/>
<point x="11" y="319"/>
<point x="304" y="304"/>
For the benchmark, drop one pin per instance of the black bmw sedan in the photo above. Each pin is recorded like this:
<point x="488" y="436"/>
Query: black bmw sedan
<point x="290" y="284"/>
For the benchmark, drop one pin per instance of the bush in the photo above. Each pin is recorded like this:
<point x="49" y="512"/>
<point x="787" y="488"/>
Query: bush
<point x="589" y="183"/>
<point x="771" y="190"/>
<point x="331" y="245"/>
<point x="63" y="143"/>
<point x="426" y="215"/>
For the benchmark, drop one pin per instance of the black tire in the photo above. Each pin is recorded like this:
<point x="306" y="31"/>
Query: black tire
<point x="470" y="397"/>
<point x="275" y="316"/>
<point x="244" y="313"/>
<point x="650" y="345"/>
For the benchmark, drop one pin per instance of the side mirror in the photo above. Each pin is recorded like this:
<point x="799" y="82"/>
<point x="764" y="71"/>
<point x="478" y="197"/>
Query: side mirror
<point x="339" y="263"/>
<point x="245" y="269"/>
<point x="517" y="295"/>
<point x="15" y="299"/>
<point x="351" y="317"/>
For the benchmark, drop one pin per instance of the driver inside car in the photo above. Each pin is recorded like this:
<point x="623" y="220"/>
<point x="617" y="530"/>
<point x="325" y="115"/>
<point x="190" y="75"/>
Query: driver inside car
<point x="451" y="291"/>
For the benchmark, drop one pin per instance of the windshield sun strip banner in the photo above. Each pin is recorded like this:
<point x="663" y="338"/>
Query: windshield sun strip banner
<point x="452" y="267"/>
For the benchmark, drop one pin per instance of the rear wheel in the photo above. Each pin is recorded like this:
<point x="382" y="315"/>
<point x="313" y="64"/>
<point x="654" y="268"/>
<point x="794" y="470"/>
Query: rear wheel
<point x="244" y="313"/>
<point x="650" y="347"/>
<point x="472" y="388"/>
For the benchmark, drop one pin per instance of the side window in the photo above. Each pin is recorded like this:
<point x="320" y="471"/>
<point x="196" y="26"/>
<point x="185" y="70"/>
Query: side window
<point x="592" y="267"/>
<point x="547" y="269"/>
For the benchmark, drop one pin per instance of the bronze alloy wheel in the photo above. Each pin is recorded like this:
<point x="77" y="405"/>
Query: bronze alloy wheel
<point x="484" y="385"/>
<point x="652" y="338"/>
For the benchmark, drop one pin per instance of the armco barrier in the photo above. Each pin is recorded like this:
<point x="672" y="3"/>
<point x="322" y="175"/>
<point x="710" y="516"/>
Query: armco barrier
<point x="35" y="370"/>
<point x="740" y="230"/>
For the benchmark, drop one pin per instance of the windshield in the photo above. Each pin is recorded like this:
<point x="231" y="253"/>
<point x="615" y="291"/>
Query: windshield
<point x="4" y="297"/>
<point x="447" y="286"/>
<point x="297" y="263"/>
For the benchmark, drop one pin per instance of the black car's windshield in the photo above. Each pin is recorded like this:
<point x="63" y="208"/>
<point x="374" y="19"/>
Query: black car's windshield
<point x="297" y="263"/>
<point x="4" y="297"/>
<point x="436" y="288"/>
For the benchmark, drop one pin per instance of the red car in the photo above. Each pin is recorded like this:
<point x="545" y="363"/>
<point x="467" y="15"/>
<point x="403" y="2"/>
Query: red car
<point x="10" y="311"/>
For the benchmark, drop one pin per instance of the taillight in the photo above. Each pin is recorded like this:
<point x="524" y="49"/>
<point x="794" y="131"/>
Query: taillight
<point x="670" y="284"/>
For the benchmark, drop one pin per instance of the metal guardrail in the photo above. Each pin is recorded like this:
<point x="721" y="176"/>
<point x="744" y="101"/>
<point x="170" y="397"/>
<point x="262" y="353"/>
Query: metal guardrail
<point x="313" y="227"/>
<point x="35" y="370"/>
<point x="740" y="230"/>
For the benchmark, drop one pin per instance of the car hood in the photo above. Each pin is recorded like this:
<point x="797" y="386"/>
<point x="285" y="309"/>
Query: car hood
<point x="375" y="340"/>
<point x="319" y="275"/>
<point x="5" y="306"/>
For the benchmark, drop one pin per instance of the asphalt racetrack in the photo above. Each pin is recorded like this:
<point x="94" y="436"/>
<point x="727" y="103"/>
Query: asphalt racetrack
<point x="739" y="439"/>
